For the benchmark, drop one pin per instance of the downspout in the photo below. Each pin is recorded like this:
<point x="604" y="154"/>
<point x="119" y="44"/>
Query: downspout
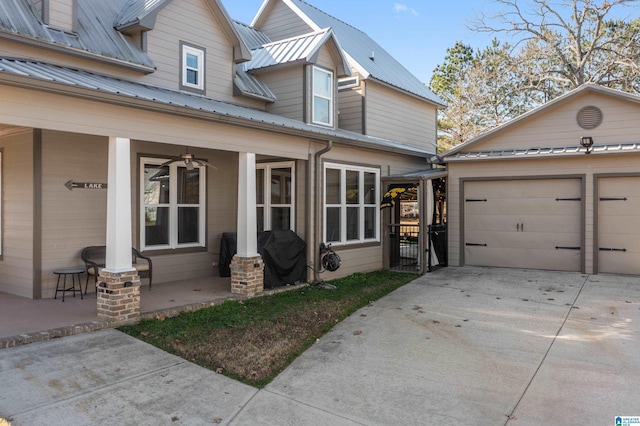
<point x="314" y="251"/>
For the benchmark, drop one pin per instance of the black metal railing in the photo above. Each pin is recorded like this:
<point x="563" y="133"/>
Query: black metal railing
<point x="405" y="247"/>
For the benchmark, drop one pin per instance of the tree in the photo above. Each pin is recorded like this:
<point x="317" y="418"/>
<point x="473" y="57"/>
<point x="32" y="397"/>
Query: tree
<point x="482" y="89"/>
<point x="556" y="47"/>
<point x="571" y="42"/>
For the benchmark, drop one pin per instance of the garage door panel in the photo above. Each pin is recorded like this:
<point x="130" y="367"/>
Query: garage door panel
<point x="534" y="188"/>
<point x="524" y="206"/>
<point x="537" y="240"/>
<point x="557" y="260"/>
<point x="619" y="225"/>
<point x="618" y="263"/>
<point x="521" y="223"/>
<point x="619" y="208"/>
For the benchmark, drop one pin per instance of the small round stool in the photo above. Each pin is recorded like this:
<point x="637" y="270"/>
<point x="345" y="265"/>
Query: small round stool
<point x="63" y="273"/>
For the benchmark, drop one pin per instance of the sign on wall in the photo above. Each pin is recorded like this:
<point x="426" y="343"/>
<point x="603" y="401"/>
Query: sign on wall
<point x="85" y="185"/>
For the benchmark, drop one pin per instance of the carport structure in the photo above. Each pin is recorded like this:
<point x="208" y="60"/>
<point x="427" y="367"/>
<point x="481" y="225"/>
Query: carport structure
<point x="532" y="194"/>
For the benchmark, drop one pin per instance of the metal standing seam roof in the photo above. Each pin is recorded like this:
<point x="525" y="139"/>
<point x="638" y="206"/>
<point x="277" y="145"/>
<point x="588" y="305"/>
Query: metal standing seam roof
<point x="95" y="33"/>
<point x="360" y="47"/>
<point x="136" y="10"/>
<point x="544" y="152"/>
<point x="70" y="77"/>
<point x="295" y="49"/>
<point x="253" y="38"/>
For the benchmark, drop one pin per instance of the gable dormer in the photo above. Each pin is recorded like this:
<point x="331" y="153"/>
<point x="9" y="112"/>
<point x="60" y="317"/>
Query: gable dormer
<point x="302" y="73"/>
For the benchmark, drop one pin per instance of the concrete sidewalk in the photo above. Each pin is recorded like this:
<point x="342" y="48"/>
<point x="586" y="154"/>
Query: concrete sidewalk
<point x="466" y="345"/>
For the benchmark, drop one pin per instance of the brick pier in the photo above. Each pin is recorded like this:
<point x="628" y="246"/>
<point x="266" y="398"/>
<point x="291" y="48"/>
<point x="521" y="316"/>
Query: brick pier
<point x="247" y="276"/>
<point x="119" y="296"/>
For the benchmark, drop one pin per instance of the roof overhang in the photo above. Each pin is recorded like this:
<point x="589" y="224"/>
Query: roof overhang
<point x="556" y="152"/>
<point x="419" y="175"/>
<point x="251" y="118"/>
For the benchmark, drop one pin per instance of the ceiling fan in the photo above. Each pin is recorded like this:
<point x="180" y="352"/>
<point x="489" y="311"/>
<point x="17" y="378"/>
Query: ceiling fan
<point x="189" y="161"/>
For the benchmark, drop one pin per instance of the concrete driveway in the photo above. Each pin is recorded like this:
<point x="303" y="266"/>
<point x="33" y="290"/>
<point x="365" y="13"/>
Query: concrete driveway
<point x="466" y="345"/>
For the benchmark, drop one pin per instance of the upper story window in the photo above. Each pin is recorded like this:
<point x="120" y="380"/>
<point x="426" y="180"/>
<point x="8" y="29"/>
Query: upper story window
<point x="275" y="196"/>
<point x="192" y="68"/>
<point x="351" y="212"/>
<point x="322" y="107"/>
<point x="172" y="205"/>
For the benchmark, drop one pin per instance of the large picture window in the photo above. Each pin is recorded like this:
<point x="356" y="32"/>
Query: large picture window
<point x="322" y="108"/>
<point x="351" y="204"/>
<point x="275" y="196"/>
<point x="172" y="206"/>
<point x="192" y="68"/>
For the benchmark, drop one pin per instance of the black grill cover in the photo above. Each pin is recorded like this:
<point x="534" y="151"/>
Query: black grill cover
<point x="283" y="252"/>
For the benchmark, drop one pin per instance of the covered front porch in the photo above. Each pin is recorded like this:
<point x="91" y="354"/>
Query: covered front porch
<point x="25" y="320"/>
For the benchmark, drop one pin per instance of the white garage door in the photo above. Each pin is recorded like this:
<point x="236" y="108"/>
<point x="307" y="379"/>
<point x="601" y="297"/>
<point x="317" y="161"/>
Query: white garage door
<point x="534" y="224"/>
<point x="619" y="225"/>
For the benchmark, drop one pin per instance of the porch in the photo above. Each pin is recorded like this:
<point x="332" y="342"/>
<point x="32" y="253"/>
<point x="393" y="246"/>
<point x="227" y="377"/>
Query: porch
<point x="27" y="320"/>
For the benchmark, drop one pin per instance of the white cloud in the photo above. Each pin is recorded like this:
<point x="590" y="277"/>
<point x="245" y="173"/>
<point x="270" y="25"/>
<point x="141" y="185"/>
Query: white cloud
<point x="403" y="8"/>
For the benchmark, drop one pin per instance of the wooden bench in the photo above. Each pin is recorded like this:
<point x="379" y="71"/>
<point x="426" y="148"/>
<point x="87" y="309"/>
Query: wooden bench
<point x="94" y="261"/>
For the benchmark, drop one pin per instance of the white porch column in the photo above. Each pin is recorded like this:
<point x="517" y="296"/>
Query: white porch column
<point x="247" y="225"/>
<point x="247" y="267"/>
<point x="118" y="257"/>
<point x="118" y="292"/>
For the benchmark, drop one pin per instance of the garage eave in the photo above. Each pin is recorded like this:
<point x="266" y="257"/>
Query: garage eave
<point x="556" y="152"/>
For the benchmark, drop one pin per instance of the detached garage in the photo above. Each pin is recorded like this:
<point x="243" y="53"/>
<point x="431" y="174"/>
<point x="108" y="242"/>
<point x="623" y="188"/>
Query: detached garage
<point x="557" y="188"/>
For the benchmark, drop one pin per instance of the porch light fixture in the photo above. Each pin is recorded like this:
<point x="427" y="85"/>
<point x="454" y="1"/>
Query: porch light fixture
<point x="587" y="142"/>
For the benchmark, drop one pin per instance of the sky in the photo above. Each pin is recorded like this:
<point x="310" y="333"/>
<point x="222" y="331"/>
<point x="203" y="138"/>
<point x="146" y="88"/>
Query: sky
<point x="416" y="32"/>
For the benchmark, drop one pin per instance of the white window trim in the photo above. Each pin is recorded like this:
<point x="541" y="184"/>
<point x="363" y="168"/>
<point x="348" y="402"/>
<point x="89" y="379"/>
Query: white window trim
<point x="200" y="53"/>
<point x="173" y="206"/>
<point x="343" y="204"/>
<point x="266" y="191"/>
<point x="331" y="99"/>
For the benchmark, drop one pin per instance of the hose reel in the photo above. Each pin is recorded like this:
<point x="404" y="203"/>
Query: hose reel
<point x="329" y="259"/>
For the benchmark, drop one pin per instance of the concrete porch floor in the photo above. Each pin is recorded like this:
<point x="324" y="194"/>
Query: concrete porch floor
<point x="20" y="315"/>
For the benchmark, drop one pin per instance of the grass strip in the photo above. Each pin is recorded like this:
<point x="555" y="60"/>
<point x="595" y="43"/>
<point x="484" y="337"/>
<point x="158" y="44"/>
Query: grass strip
<point x="254" y="340"/>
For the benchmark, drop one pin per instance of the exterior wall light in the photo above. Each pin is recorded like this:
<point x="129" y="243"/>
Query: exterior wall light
<point x="587" y="142"/>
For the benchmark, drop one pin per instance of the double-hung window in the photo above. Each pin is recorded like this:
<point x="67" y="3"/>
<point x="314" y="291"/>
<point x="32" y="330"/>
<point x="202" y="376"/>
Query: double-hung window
<point x="172" y="206"/>
<point x="351" y="213"/>
<point x="275" y="196"/>
<point x="192" y="68"/>
<point x="322" y="108"/>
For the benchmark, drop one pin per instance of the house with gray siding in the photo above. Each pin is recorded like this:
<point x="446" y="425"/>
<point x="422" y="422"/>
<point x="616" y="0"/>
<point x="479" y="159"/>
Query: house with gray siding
<point x="300" y="120"/>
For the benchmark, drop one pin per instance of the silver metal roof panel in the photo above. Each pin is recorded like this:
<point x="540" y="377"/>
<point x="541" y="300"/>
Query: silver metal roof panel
<point x="95" y="33"/>
<point x="252" y="37"/>
<point x="250" y="86"/>
<point x="135" y="11"/>
<point x="295" y="49"/>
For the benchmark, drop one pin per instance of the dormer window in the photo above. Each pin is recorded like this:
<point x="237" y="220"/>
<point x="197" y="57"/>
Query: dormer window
<point x="192" y="68"/>
<point x="322" y="108"/>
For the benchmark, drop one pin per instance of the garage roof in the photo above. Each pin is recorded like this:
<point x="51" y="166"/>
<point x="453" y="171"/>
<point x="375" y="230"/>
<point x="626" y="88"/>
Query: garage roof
<point x="456" y="152"/>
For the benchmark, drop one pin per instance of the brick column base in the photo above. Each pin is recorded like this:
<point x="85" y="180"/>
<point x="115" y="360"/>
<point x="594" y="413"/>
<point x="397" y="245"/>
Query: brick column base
<point x="247" y="275"/>
<point x="119" y="296"/>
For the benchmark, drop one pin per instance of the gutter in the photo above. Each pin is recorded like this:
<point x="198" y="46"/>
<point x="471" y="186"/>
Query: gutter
<point x="313" y="250"/>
